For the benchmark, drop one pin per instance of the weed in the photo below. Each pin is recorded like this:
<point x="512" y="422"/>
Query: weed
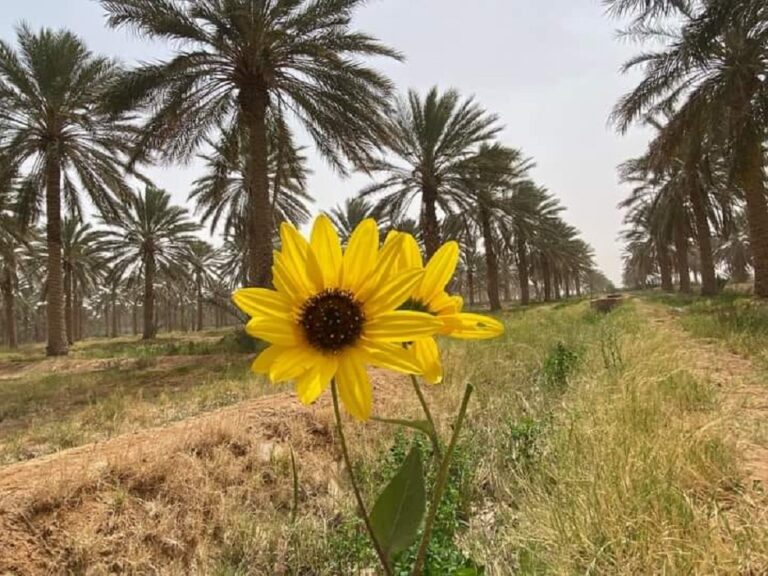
<point x="558" y="365"/>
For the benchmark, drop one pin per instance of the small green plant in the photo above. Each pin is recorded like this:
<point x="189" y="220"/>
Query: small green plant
<point x="558" y="365"/>
<point x="522" y="443"/>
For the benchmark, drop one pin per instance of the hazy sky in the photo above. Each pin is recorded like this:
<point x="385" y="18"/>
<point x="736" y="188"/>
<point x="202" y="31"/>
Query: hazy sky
<point x="549" y="69"/>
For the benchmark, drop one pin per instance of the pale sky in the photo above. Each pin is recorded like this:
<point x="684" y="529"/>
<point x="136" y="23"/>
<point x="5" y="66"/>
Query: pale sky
<point x="549" y="69"/>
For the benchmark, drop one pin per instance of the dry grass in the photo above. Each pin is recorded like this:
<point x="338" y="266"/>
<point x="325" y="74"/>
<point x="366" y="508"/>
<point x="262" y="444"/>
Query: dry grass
<point x="635" y="470"/>
<point x="597" y="444"/>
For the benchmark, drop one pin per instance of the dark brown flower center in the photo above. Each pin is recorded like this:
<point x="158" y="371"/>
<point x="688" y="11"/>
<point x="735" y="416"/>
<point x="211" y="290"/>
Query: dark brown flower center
<point x="332" y="320"/>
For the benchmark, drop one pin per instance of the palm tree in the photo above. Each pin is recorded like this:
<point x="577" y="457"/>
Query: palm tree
<point x="11" y="239"/>
<point x="56" y="134"/>
<point x="715" y="64"/>
<point x="151" y="239"/>
<point x="664" y="196"/>
<point x="349" y="214"/>
<point x="85" y="264"/>
<point x="430" y="139"/>
<point x="531" y="209"/>
<point x="221" y="194"/>
<point x="204" y="264"/>
<point x="244" y="62"/>
<point x="486" y="178"/>
<point x="645" y="10"/>
<point x="734" y="250"/>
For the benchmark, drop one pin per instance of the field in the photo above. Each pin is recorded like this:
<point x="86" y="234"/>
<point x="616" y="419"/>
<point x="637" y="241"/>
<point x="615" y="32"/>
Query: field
<point x="629" y="443"/>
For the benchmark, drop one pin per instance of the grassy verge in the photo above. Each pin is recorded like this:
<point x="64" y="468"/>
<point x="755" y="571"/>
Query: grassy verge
<point x="736" y="318"/>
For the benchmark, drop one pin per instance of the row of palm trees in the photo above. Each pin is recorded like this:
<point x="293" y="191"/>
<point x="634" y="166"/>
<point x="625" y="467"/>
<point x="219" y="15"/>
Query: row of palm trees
<point x="75" y="126"/>
<point x="699" y="191"/>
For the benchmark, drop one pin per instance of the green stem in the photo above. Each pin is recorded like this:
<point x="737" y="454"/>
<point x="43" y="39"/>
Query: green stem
<point x="356" y="489"/>
<point x="442" y="480"/>
<point x="428" y="414"/>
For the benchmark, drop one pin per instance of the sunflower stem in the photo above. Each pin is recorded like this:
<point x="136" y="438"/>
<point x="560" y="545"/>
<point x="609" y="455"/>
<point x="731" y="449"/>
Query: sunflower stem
<point x="442" y="480"/>
<point x="355" y="488"/>
<point x="428" y="414"/>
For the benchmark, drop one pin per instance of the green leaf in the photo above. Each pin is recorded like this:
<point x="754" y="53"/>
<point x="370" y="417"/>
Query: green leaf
<point x="420" y="425"/>
<point x="398" y="512"/>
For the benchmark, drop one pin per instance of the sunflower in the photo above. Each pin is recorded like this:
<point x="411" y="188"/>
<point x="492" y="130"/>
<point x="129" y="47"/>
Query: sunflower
<point x="333" y="312"/>
<point x="429" y="296"/>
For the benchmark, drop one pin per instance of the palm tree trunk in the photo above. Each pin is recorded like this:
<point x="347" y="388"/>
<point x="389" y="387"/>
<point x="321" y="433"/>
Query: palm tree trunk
<point x="681" y="256"/>
<point x="491" y="262"/>
<point x="567" y="284"/>
<point x="149" y="298"/>
<point x="115" y="319"/>
<point x="199" y="306"/>
<point x="68" y="317"/>
<point x="57" y="337"/>
<point x="253" y="100"/>
<point x="665" y="267"/>
<point x="522" y="271"/>
<point x="9" y="305"/>
<point x="696" y="194"/>
<point x="577" y="284"/>
<point x="547" y="280"/>
<point x="430" y="226"/>
<point x="752" y="179"/>
<point x="77" y="317"/>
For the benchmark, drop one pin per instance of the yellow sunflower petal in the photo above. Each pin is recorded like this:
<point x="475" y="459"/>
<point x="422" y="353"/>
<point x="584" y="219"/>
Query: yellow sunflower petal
<point x="265" y="359"/>
<point x="392" y="356"/>
<point x="315" y="273"/>
<point x="442" y="303"/>
<point x="260" y="302"/>
<point x="327" y="249"/>
<point x="395" y="290"/>
<point x="387" y="264"/>
<point x="468" y="326"/>
<point x="361" y="255"/>
<point x="288" y="282"/>
<point x="428" y="357"/>
<point x="438" y="271"/>
<point x="312" y="383"/>
<point x="292" y="363"/>
<point x="411" y="254"/>
<point x="354" y="385"/>
<point x="294" y="248"/>
<point x="274" y="330"/>
<point x="401" y="326"/>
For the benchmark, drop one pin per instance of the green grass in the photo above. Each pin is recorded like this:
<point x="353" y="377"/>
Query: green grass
<point x="590" y="448"/>
<point x="736" y="318"/>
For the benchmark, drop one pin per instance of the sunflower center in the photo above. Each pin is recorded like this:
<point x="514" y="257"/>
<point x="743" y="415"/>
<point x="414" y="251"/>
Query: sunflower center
<point x="332" y="320"/>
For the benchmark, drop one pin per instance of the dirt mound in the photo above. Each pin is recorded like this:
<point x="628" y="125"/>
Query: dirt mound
<point x="147" y="502"/>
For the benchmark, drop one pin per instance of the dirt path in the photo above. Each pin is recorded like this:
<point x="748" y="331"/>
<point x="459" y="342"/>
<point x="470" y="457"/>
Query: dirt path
<point x="744" y="393"/>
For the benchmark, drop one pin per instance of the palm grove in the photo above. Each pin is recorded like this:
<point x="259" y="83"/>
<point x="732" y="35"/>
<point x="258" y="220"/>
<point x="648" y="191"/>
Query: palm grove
<point x="698" y="200"/>
<point x="76" y="127"/>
